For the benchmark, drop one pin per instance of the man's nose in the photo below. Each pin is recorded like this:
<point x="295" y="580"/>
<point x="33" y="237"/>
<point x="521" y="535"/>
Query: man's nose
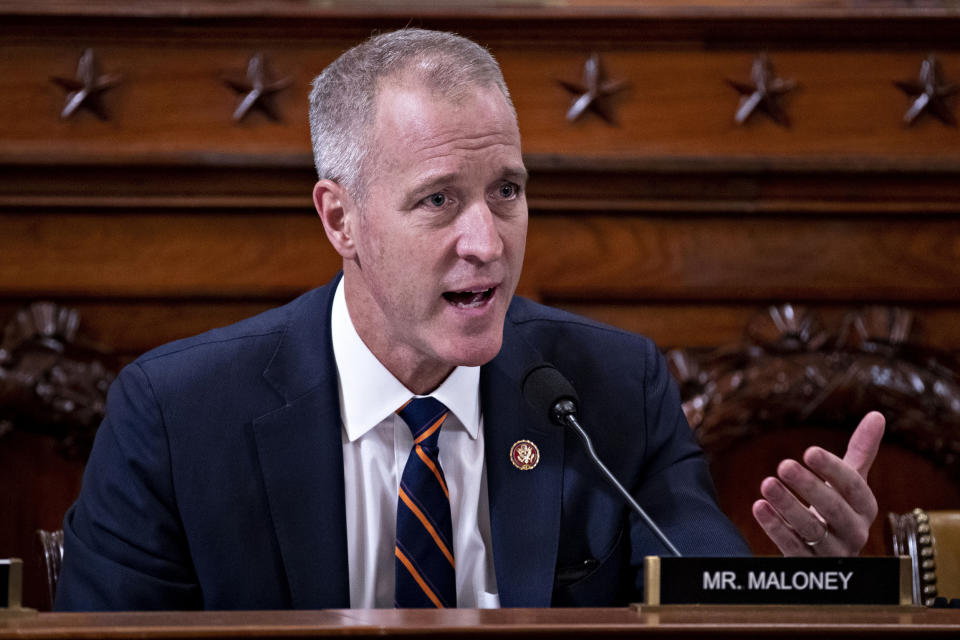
<point x="479" y="238"/>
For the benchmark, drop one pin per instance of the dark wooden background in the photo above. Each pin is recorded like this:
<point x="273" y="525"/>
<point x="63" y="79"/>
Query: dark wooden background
<point x="169" y="218"/>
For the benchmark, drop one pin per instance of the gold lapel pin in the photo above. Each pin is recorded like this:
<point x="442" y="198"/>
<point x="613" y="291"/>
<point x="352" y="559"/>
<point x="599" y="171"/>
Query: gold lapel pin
<point x="524" y="455"/>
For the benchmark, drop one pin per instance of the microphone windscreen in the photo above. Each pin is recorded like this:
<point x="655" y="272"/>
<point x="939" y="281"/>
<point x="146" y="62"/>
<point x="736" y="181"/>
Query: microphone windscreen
<point x="544" y="387"/>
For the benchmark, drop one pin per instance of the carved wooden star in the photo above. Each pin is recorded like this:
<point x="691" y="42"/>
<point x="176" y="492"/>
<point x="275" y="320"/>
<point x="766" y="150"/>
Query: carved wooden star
<point x="258" y="89"/>
<point x="931" y="92"/>
<point x="594" y="92"/>
<point x="763" y="93"/>
<point x="87" y="87"/>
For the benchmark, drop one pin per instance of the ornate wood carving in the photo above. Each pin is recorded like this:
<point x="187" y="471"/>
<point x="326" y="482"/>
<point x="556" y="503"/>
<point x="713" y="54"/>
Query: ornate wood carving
<point x="930" y="92"/>
<point x="594" y="92"/>
<point x="791" y="370"/>
<point x="86" y="89"/>
<point x="763" y="92"/>
<point x="258" y="89"/>
<point x="49" y="382"/>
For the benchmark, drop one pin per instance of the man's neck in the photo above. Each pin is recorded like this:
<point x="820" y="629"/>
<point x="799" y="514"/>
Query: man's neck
<point x="424" y="382"/>
<point x="418" y="374"/>
<point x="368" y="391"/>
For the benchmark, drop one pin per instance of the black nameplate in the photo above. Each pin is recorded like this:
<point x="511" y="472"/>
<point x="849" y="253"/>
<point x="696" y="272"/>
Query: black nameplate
<point x="777" y="581"/>
<point x="4" y="583"/>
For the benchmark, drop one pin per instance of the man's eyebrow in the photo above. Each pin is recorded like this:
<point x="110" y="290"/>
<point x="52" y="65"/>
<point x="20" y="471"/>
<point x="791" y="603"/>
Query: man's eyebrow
<point x="433" y="181"/>
<point x="430" y="182"/>
<point x="516" y="174"/>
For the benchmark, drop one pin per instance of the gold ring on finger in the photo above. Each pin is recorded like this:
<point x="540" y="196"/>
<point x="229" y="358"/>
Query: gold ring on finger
<point x="823" y="536"/>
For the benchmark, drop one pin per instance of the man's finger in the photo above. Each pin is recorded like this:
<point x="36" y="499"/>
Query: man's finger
<point x="778" y="531"/>
<point x="842" y="479"/>
<point x="844" y="522"/>
<point x="793" y="512"/>
<point x="865" y="442"/>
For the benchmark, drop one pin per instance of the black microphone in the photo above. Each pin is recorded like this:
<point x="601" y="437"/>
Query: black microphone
<point x="550" y="393"/>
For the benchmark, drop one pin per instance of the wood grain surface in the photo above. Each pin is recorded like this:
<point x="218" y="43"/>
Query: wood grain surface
<point x="654" y="622"/>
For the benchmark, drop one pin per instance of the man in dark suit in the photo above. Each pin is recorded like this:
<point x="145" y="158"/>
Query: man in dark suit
<point x="258" y="466"/>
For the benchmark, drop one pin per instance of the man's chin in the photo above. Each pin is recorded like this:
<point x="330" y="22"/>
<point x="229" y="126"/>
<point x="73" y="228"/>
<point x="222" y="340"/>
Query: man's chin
<point x="475" y="351"/>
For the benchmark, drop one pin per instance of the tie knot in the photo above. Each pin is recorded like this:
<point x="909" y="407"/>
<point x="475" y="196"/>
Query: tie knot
<point x="424" y="417"/>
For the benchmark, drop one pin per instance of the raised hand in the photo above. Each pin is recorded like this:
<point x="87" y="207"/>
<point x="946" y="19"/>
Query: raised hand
<point x="824" y="506"/>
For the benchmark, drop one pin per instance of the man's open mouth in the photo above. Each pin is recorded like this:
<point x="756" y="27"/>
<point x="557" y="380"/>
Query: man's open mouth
<point x="468" y="299"/>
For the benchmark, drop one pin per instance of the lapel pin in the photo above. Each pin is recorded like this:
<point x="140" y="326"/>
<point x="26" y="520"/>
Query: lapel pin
<point x="524" y="455"/>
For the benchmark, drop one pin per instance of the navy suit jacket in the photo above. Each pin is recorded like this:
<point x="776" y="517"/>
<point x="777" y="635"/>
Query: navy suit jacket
<point x="216" y="479"/>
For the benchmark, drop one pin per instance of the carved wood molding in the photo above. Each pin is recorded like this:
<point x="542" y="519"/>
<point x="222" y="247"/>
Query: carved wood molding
<point x="677" y="58"/>
<point x="741" y="22"/>
<point x="594" y="92"/>
<point x="258" y="89"/>
<point x="790" y="370"/>
<point x="51" y="383"/>
<point x="85" y="90"/>
<point x="723" y="186"/>
<point x="762" y="93"/>
<point x="930" y="93"/>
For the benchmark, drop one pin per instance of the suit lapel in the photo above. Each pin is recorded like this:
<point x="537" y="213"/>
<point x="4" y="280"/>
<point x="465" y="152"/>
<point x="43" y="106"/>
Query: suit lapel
<point x="300" y="453"/>
<point x="524" y="505"/>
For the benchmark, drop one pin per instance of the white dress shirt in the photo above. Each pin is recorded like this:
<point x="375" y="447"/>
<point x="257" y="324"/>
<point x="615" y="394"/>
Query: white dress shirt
<point x="376" y="444"/>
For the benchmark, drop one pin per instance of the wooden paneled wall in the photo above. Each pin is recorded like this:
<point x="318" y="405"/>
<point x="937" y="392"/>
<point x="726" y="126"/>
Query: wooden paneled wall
<point x="169" y="218"/>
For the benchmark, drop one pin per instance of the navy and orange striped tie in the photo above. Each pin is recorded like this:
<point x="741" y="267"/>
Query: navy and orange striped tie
<point x="425" y="568"/>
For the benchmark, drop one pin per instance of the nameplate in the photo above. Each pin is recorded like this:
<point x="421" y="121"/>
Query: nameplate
<point x="764" y="580"/>
<point x="11" y="583"/>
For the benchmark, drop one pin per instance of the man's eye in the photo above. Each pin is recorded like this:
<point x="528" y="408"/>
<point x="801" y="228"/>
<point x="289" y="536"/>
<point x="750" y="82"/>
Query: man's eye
<point x="436" y="200"/>
<point x="508" y="190"/>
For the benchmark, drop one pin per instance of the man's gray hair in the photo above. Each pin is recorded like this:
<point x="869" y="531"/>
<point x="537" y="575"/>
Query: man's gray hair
<point x="344" y="97"/>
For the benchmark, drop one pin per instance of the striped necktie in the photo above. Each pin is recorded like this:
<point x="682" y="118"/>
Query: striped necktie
<point x="425" y="568"/>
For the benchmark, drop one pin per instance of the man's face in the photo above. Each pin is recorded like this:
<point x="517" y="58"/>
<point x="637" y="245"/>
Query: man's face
<point x="440" y="233"/>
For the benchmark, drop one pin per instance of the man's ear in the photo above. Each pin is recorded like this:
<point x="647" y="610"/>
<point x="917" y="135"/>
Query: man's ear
<point x="333" y="204"/>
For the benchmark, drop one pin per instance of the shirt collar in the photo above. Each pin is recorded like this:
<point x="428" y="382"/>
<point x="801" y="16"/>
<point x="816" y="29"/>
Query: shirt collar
<point x="369" y="393"/>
